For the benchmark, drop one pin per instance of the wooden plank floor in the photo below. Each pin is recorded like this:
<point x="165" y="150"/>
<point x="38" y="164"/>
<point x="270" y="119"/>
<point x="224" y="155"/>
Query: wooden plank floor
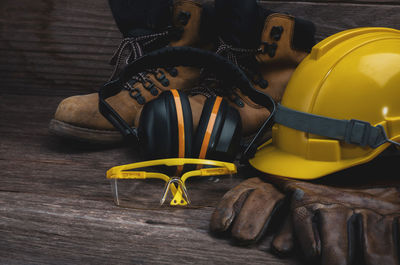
<point x="56" y="206"/>
<point x="55" y="203"/>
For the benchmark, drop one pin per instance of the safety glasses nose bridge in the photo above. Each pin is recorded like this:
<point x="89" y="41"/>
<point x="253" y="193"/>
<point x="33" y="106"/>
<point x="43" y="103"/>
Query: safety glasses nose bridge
<point x="178" y="191"/>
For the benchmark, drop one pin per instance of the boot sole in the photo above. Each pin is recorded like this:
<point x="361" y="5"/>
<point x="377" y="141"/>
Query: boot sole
<point x="82" y="134"/>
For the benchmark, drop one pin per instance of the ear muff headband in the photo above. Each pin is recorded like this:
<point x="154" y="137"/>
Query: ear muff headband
<point x="210" y="127"/>
<point x="181" y="127"/>
<point x="184" y="56"/>
<point x="224" y="69"/>
<point x="181" y="123"/>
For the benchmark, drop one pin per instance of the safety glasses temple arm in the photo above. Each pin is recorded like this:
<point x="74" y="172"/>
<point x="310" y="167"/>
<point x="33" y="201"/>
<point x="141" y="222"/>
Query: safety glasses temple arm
<point x="210" y="172"/>
<point x="136" y="175"/>
<point x="175" y="162"/>
<point x="196" y="161"/>
<point x="150" y="163"/>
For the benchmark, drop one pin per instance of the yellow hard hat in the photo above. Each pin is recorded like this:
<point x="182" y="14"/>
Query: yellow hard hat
<point x="340" y="109"/>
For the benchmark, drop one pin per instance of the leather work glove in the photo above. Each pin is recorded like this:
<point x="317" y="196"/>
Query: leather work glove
<point x="329" y="225"/>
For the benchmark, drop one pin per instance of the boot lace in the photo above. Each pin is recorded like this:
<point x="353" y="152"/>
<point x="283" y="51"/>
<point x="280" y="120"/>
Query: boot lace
<point x="133" y="48"/>
<point x="244" y="58"/>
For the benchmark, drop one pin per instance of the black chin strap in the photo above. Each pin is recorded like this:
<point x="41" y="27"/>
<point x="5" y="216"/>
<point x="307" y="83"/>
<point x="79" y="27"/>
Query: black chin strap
<point x="350" y="131"/>
<point x="110" y="89"/>
<point x="232" y="75"/>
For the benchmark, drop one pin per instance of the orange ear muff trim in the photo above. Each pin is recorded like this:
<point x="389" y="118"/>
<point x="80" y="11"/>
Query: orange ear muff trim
<point x="210" y="127"/>
<point x="181" y="126"/>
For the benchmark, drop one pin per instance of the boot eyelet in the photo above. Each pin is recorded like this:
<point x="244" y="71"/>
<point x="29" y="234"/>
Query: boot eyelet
<point x="138" y="96"/>
<point x="161" y="78"/>
<point x="238" y="101"/>
<point x="150" y="86"/>
<point x="270" y="49"/>
<point x="165" y="82"/>
<point x="183" y="17"/>
<point x="153" y="90"/>
<point x="130" y="84"/>
<point x="263" y="83"/>
<point x="160" y="75"/>
<point x="276" y="32"/>
<point x="172" y="71"/>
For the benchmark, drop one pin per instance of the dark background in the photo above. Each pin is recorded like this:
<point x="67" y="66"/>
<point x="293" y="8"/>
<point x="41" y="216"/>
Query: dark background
<point x="62" y="47"/>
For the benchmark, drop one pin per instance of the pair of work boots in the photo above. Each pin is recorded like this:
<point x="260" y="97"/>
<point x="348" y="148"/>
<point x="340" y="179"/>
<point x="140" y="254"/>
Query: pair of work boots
<point x="267" y="46"/>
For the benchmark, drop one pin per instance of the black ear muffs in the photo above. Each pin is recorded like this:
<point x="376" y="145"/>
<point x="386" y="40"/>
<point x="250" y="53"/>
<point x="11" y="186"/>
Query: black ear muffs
<point x="219" y="131"/>
<point x="166" y="127"/>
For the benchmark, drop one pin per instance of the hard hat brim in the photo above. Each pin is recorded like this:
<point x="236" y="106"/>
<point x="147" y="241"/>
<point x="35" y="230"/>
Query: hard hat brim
<point x="274" y="161"/>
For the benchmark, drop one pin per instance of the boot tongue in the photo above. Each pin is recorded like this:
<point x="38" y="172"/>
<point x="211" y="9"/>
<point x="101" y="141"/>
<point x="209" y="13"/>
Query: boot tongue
<point x="239" y="22"/>
<point x="135" y="18"/>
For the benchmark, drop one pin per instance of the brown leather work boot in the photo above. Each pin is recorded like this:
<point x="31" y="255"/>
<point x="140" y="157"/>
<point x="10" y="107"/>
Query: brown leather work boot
<point x="267" y="49"/>
<point x="78" y="117"/>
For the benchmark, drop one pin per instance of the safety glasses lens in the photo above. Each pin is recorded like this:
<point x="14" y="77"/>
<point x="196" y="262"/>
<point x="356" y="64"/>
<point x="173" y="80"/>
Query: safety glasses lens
<point x="139" y="194"/>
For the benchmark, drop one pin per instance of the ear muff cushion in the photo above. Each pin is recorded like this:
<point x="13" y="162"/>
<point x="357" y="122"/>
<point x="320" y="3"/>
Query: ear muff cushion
<point x="202" y="127"/>
<point x="157" y="116"/>
<point x="224" y="140"/>
<point x="227" y="141"/>
<point x="159" y="127"/>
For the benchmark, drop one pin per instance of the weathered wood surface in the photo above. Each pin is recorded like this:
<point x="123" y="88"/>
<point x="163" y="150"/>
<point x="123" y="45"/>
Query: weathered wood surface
<point x="63" y="47"/>
<point x="56" y="206"/>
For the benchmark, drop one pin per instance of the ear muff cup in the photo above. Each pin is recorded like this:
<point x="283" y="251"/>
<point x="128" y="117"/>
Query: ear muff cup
<point x="219" y="131"/>
<point x="166" y="127"/>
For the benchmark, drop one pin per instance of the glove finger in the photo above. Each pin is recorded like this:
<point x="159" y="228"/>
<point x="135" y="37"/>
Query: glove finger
<point x="378" y="238"/>
<point x="282" y="244"/>
<point x="256" y="213"/>
<point x="230" y="204"/>
<point x="333" y="226"/>
<point x="306" y="232"/>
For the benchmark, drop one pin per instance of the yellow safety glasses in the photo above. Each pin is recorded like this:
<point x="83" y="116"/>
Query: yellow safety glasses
<point x="147" y="185"/>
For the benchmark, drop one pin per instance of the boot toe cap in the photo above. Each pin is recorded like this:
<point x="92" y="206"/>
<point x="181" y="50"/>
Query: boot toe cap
<point x="82" y="111"/>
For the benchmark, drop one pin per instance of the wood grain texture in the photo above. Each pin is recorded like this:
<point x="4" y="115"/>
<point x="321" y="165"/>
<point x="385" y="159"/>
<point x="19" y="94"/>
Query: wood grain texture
<point x="55" y="203"/>
<point x="63" y="47"/>
<point x="41" y="229"/>
<point x="331" y="18"/>
<point x="56" y="206"/>
<point x="55" y="45"/>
